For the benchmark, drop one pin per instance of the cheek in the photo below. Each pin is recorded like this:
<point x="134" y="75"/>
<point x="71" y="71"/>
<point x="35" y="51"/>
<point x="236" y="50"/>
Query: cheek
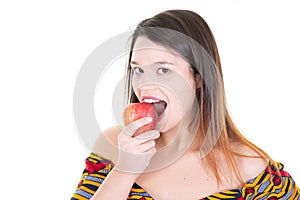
<point x="176" y="106"/>
<point x="133" y="82"/>
<point x="185" y="95"/>
<point x="180" y="102"/>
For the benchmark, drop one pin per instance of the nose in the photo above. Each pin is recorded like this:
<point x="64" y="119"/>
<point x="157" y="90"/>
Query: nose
<point x="147" y="82"/>
<point x="147" y="86"/>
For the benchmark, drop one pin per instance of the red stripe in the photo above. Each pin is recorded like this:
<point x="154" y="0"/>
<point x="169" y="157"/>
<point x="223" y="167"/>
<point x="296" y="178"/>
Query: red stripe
<point x="92" y="167"/>
<point x="273" y="172"/>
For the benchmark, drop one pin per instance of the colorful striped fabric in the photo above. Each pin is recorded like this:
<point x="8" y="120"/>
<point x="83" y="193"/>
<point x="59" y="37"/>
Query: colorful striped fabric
<point x="267" y="185"/>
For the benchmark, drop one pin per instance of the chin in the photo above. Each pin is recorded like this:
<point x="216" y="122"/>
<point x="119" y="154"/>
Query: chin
<point x="168" y="127"/>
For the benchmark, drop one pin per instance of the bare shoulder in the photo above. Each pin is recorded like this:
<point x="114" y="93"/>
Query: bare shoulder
<point x="250" y="165"/>
<point x="112" y="134"/>
<point x="108" y="139"/>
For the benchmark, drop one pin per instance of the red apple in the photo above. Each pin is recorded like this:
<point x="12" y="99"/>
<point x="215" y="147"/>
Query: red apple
<point x="135" y="111"/>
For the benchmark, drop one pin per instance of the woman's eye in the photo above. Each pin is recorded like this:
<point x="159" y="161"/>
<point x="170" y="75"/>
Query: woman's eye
<point x="163" y="70"/>
<point x="138" y="70"/>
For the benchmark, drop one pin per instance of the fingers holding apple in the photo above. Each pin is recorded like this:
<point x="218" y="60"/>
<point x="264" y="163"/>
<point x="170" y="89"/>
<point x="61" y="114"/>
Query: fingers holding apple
<point x="139" y="133"/>
<point x="142" y="144"/>
<point x="136" y="142"/>
<point x="135" y="153"/>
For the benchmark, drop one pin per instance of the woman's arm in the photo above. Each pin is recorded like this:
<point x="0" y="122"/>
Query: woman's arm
<point x="134" y="154"/>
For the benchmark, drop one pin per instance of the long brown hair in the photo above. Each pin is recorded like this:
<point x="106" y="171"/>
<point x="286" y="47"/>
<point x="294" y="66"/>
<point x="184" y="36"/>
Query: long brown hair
<point x="212" y="103"/>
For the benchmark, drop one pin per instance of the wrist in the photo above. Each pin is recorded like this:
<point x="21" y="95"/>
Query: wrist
<point x="124" y="175"/>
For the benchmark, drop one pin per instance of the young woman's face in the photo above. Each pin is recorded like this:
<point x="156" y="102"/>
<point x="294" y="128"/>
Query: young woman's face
<point x="162" y="76"/>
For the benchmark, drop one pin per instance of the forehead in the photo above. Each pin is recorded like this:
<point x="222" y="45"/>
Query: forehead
<point x="146" y="51"/>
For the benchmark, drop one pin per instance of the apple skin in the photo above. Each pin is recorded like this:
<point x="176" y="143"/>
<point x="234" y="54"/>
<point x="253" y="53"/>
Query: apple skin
<point x="135" y="111"/>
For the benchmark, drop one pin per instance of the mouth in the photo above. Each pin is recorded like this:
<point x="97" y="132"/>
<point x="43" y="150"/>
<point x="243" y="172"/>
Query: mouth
<point x="159" y="105"/>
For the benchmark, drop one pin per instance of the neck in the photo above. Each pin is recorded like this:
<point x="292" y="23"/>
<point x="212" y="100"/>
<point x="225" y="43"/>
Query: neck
<point x="185" y="132"/>
<point x="166" y="137"/>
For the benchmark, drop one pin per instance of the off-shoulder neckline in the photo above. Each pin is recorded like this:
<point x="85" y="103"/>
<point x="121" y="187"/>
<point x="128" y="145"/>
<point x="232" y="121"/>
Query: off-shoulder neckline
<point x="270" y="169"/>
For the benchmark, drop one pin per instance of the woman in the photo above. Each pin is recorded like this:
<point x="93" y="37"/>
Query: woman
<point x="195" y="151"/>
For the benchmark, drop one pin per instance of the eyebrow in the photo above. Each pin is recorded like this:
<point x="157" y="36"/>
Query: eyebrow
<point x="157" y="62"/>
<point x="163" y="63"/>
<point x="133" y="63"/>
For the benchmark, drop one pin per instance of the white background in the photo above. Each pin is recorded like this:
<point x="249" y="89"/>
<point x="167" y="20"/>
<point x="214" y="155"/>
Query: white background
<point x="44" y="43"/>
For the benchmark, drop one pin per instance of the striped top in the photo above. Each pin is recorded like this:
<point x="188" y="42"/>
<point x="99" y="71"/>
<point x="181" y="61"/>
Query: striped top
<point x="267" y="185"/>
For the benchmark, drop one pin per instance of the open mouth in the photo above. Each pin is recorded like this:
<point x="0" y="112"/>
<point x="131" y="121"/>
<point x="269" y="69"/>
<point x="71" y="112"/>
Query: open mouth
<point x="159" y="105"/>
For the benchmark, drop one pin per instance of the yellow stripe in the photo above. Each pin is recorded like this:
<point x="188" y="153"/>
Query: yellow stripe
<point x="135" y="197"/>
<point x="76" y="196"/>
<point x="138" y="197"/>
<point x="222" y="196"/>
<point x="92" y="183"/>
<point x="270" y="185"/>
<point x="108" y="167"/>
<point x="213" y="198"/>
<point x="137" y="190"/>
<point x="230" y="192"/>
<point x="97" y="176"/>
<point x="93" y="161"/>
<point x="97" y="157"/>
<point x="87" y="190"/>
<point x="85" y="174"/>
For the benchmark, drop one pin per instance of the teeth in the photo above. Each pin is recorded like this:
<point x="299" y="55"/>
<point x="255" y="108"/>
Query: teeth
<point x="150" y="100"/>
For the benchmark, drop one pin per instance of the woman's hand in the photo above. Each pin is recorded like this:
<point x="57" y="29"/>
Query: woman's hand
<point x="136" y="152"/>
